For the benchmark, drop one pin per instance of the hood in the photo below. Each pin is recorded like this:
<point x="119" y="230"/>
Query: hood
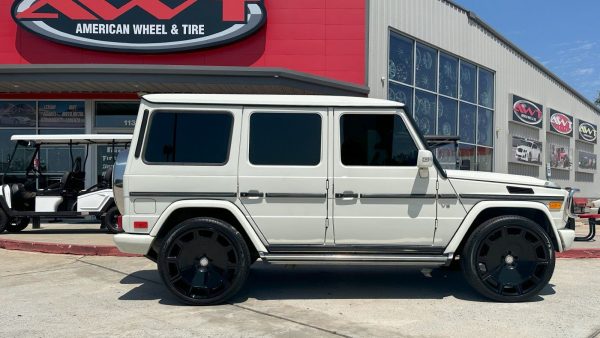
<point x="499" y="178"/>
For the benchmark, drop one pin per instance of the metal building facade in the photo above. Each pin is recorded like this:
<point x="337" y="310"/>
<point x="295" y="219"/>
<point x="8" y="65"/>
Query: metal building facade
<point x="452" y="29"/>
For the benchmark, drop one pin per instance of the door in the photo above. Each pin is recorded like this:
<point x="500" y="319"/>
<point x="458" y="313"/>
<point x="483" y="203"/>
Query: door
<point x="283" y="174"/>
<point x="380" y="197"/>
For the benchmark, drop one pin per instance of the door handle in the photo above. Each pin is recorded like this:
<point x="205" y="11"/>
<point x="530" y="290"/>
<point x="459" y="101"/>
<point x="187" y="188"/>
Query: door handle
<point x="346" y="195"/>
<point x="252" y="194"/>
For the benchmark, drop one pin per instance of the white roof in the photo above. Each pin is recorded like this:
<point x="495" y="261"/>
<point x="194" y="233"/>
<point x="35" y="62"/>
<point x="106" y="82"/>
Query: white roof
<point x="75" y="139"/>
<point x="271" y="100"/>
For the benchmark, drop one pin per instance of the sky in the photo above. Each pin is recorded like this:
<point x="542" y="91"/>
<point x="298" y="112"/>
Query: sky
<point x="563" y="35"/>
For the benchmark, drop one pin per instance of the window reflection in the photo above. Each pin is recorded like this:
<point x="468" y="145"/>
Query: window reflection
<point x="425" y="107"/>
<point x="426" y="67"/>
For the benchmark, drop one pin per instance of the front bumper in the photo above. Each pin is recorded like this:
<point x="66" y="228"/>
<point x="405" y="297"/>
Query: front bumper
<point x="133" y="243"/>
<point x="567" y="237"/>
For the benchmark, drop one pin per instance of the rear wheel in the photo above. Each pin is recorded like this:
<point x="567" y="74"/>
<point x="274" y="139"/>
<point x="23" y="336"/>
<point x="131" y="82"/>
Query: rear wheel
<point x="18" y="224"/>
<point x="204" y="261"/>
<point x="509" y="259"/>
<point x="109" y="221"/>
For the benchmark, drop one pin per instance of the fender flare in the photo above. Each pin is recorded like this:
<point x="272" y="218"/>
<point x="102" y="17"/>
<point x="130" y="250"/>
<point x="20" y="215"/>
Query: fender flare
<point x="215" y="204"/>
<point x="482" y="206"/>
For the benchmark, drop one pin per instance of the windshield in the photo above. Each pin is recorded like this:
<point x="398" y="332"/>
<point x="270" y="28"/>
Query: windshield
<point x="21" y="159"/>
<point x="526" y="144"/>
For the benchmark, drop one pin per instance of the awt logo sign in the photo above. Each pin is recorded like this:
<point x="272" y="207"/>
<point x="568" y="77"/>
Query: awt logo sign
<point x="587" y="131"/>
<point x="527" y="112"/>
<point x="561" y="123"/>
<point x="145" y="26"/>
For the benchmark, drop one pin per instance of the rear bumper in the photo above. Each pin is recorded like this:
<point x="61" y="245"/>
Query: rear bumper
<point x="567" y="237"/>
<point x="133" y="244"/>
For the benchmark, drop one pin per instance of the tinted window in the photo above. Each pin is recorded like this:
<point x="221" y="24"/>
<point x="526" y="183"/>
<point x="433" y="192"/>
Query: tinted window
<point x="116" y="114"/>
<point x="285" y="139"/>
<point x="183" y="137"/>
<point x="401" y="59"/>
<point x="426" y="67"/>
<point x="376" y="140"/>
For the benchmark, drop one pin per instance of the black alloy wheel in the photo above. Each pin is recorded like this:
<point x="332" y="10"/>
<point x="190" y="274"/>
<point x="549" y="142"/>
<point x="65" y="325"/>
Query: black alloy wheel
<point x="204" y="261"/>
<point x="509" y="259"/>
<point x="18" y="224"/>
<point x="109" y="221"/>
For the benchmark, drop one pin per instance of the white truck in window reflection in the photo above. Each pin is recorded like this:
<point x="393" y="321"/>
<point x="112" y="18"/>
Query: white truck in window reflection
<point x="215" y="183"/>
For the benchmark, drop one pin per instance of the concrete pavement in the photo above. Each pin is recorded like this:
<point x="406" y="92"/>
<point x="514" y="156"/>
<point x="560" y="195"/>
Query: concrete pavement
<point x="58" y="295"/>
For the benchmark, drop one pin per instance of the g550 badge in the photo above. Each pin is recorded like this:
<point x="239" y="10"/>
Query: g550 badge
<point x="143" y="26"/>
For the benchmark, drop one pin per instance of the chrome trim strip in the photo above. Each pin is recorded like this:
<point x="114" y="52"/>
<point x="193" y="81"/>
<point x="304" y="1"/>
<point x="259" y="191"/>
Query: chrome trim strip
<point x="185" y="194"/>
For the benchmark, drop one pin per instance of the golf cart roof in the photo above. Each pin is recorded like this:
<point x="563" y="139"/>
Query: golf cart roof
<point x="75" y="139"/>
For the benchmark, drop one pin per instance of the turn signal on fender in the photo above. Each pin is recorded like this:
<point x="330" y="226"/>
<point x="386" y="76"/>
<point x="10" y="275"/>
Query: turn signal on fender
<point x="555" y="205"/>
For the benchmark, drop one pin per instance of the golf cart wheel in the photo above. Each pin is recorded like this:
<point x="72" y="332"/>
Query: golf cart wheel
<point x="508" y="259"/>
<point x="204" y="261"/>
<point x="4" y="220"/>
<point x="110" y="220"/>
<point x="18" y="224"/>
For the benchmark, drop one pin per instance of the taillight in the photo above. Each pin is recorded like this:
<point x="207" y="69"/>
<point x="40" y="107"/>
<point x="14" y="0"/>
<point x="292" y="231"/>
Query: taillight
<point x="140" y="225"/>
<point x="120" y="223"/>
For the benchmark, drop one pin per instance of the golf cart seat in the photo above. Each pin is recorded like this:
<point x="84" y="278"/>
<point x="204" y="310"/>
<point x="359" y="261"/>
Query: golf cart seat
<point x="105" y="182"/>
<point x="69" y="184"/>
<point x="21" y="198"/>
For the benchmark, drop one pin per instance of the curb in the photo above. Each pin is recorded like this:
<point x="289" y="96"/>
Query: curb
<point x="579" y="254"/>
<point x="64" y="249"/>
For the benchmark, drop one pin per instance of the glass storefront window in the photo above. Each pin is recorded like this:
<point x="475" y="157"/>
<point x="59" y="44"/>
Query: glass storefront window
<point x="18" y="114"/>
<point x="446" y="155"/>
<point x="116" y="115"/>
<point x="447" y="96"/>
<point x="468" y="82"/>
<point x="486" y="88"/>
<point x="447" y="114"/>
<point x="426" y="68"/>
<point x="22" y="156"/>
<point x="401" y="60"/>
<point x="467" y="122"/>
<point x="466" y="156"/>
<point x="61" y="114"/>
<point x="448" y="75"/>
<point x="425" y="108"/>
<point x="485" y="158"/>
<point x="403" y="94"/>
<point x="485" y="127"/>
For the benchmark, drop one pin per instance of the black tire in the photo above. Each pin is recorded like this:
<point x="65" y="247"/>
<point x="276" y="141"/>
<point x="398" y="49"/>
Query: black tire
<point x="204" y="261"/>
<point x="109" y="221"/>
<point x="508" y="259"/>
<point x="18" y="224"/>
<point x="4" y="220"/>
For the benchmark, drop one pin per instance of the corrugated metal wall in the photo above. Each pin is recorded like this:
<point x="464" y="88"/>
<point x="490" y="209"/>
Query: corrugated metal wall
<point x="439" y="23"/>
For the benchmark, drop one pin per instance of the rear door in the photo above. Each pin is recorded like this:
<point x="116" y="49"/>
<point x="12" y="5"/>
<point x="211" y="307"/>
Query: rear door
<point x="283" y="173"/>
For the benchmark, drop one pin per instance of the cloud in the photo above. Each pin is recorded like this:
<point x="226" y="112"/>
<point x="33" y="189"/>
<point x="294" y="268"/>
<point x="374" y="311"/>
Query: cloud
<point x="584" y="71"/>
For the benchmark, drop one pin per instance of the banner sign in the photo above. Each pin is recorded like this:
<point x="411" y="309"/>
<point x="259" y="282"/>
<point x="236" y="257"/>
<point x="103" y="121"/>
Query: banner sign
<point x="587" y="131"/>
<point x="526" y="151"/>
<point x="143" y="26"/>
<point x="17" y="114"/>
<point x="561" y="123"/>
<point x="587" y="161"/>
<point x="528" y="112"/>
<point x="560" y="156"/>
<point x="62" y="114"/>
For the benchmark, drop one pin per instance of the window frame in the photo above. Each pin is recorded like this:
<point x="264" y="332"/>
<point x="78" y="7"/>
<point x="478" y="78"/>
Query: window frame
<point x="323" y="120"/>
<point x="187" y="111"/>
<point x="393" y="32"/>
<point x="407" y="124"/>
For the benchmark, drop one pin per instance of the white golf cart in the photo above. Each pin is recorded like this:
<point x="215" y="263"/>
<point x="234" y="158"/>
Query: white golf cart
<point x="29" y="192"/>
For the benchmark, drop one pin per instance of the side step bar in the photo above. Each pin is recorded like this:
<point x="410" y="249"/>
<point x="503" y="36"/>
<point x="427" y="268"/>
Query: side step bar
<point x="348" y="259"/>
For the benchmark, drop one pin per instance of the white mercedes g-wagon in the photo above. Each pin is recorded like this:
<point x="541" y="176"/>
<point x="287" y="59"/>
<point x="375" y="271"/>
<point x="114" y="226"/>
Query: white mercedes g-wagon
<point x="215" y="182"/>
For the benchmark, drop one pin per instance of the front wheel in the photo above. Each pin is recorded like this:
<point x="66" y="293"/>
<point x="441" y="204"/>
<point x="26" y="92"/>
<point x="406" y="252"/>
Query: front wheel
<point x="204" y="261"/>
<point x="18" y="224"/>
<point x="109" y="221"/>
<point x="509" y="259"/>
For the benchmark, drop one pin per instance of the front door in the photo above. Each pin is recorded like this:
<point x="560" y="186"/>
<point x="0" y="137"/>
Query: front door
<point x="380" y="198"/>
<point x="283" y="174"/>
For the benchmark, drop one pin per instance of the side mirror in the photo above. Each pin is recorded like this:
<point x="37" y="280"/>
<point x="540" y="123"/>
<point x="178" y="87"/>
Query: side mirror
<point x="424" y="162"/>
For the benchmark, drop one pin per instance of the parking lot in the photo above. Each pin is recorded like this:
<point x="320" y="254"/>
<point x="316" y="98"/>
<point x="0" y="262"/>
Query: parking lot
<point x="58" y="295"/>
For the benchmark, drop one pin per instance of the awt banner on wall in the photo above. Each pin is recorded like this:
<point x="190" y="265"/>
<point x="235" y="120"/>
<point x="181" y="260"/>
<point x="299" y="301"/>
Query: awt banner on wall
<point x="561" y="123"/>
<point x="587" y="131"/>
<point x="528" y="112"/>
